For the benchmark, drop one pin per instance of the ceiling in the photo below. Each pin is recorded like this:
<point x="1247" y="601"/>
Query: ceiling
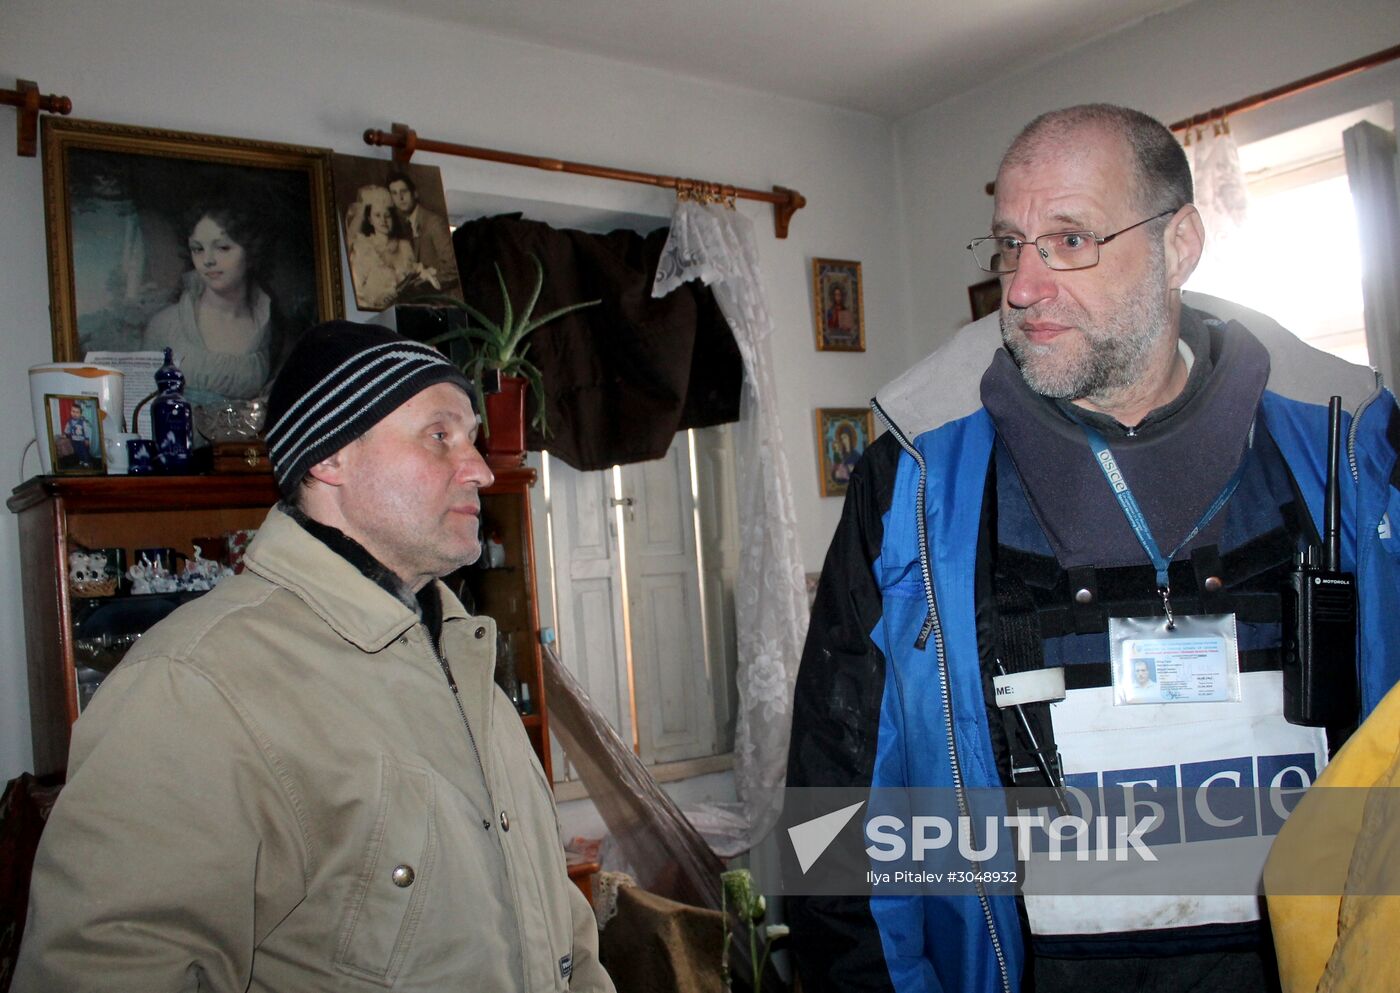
<point x="884" y="57"/>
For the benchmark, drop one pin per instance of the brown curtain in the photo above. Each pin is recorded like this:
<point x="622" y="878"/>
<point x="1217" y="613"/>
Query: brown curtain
<point x="623" y="377"/>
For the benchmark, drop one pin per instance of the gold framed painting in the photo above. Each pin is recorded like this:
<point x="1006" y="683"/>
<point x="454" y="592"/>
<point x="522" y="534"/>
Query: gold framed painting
<point x="838" y="304"/>
<point x="843" y="435"/>
<point x="222" y="249"/>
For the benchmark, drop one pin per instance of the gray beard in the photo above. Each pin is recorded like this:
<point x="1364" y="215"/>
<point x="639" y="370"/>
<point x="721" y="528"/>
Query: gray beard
<point x="1117" y="349"/>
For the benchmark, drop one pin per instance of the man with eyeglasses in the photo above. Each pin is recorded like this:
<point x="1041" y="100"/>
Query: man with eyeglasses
<point x="1128" y="476"/>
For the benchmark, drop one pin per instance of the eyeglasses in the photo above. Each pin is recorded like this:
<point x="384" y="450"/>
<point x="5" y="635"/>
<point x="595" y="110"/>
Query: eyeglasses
<point x="1062" y="250"/>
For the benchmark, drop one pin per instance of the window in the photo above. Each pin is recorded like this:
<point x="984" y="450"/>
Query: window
<point x="643" y="561"/>
<point x="1298" y="258"/>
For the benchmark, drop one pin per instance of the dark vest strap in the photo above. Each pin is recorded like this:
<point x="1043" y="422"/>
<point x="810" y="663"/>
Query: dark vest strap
<point x="1080" y="600"/>
<point x="1210" y="579"/>
<point x="1084" y="597"/>
<point x="1020" y="647"/>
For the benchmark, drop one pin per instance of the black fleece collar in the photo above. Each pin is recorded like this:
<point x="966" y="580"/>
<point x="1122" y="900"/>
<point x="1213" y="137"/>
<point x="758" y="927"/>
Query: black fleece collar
<point x="1176" y="464"/>
<point x="427" y="603"/>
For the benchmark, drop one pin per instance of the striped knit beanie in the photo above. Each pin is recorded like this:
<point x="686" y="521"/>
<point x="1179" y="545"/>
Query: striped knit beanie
<point x="339" y="381"/>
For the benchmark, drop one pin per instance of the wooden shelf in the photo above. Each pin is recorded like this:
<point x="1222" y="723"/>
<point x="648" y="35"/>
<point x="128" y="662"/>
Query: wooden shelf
<point x="59" y="513"/>
<point x="133" y="493"/>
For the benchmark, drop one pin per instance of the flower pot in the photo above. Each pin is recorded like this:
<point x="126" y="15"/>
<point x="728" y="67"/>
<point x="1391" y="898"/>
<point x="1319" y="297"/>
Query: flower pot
<point x="504" y="432"/>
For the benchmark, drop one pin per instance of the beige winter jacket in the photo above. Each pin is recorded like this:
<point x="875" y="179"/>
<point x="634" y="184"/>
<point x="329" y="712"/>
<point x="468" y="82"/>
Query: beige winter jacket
<point x="276" y="791"/>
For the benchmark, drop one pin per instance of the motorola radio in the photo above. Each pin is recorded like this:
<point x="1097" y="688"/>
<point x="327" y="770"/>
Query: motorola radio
<point x="1319" y="616"/>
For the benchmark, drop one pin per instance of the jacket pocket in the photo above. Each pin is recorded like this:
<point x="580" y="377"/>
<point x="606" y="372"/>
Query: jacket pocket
<point x="386" y="901"/>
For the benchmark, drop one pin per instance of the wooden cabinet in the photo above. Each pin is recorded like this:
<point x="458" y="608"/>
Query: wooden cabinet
<point x="58" y="514"/>
<point x="501" y="585"/>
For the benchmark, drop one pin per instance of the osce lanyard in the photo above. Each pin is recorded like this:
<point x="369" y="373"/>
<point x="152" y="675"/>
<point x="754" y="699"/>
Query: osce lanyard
<point x="1138" y="521"/>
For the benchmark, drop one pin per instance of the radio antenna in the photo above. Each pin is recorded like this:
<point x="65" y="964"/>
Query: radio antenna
<point x="1332" y="510"/>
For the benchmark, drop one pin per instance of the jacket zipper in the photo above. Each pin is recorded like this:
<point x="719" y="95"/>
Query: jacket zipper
<point x="1356" y="426"/>
<point x="932" y="625"/>
<point x="471" y="738"/>
<point x="930" y="622"/>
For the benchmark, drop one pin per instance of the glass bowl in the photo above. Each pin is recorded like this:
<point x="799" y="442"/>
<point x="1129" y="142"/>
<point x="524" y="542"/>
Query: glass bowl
<point x="232" y="420"/>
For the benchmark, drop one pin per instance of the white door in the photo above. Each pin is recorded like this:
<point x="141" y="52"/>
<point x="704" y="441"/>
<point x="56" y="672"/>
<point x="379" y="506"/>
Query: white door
<point x="588" y="584"/>
<point x="638" y="590"/>
<point x="675" y="712"/>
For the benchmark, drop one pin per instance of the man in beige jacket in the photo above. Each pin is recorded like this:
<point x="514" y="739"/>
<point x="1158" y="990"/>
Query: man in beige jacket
<point x="306" y="779"/>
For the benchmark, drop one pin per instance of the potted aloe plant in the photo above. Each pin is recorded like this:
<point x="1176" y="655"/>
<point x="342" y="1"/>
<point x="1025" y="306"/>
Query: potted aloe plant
<point x="499" y="350"/>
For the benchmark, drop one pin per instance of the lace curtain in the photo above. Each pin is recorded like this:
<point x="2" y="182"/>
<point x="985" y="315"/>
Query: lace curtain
<point x="1220" y="197"/>
<point x="716" y="245"/>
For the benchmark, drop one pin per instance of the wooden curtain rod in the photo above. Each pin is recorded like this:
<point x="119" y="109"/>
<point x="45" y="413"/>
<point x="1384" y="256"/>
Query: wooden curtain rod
<point x="1289" y="89"/>
<point x="405" y="141"/>
<point x="1279" y="92"/>
<point x="27" y="99"/>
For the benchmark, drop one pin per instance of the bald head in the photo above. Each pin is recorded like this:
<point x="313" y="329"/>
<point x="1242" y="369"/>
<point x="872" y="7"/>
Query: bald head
<point x="1161" y="175"/>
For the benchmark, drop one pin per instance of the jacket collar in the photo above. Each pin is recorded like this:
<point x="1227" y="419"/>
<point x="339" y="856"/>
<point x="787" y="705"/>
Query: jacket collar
<point x="944" y="386"/>
<point x="357" y="607"/>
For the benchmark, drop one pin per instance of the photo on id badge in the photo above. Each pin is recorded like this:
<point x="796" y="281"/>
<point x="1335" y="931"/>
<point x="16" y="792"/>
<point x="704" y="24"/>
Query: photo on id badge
<point x="1137" y="681"/>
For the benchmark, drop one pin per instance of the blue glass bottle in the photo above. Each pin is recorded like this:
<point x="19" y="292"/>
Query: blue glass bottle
<point x="172" y="419"/>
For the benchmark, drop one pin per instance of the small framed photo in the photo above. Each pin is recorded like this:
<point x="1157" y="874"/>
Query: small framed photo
<point x="843" y="434"/>
<point x="985" y="297"/>
<point x="397" y="238"/>
<point x="75" y="435"/>
<point x="838" y="304"/>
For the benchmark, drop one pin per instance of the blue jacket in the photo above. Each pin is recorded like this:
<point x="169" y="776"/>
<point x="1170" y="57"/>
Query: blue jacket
<point x="872" y="709"/>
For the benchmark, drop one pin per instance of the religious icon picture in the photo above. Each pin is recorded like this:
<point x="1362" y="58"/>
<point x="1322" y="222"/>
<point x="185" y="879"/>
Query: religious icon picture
<point x="843" y="434"/>
<point x="837" y="302"/>
<point x="75" y="435"/>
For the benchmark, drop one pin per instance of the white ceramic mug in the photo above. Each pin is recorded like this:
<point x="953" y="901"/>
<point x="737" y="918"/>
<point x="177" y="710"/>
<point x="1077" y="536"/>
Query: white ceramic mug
<point x="74" y="379"/>
<point x="115" y="444"/>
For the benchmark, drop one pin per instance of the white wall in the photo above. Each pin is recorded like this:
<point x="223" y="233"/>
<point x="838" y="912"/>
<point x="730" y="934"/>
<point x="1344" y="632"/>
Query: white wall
<point x="1171" y="66"/>
<point x="318" y="73"/>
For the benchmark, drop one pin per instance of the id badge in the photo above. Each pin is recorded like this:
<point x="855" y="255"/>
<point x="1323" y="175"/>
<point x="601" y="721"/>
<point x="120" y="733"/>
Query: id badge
<point x="1196" y="661"/>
